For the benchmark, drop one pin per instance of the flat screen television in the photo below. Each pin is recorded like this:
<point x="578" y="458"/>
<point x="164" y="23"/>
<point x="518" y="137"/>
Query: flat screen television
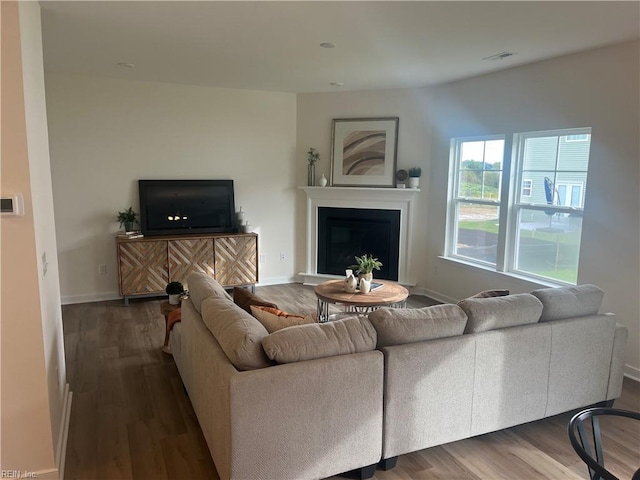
<point x="174" y="207"/>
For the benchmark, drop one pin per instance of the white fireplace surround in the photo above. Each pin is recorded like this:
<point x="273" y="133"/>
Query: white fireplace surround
<point x="401" y="199"/>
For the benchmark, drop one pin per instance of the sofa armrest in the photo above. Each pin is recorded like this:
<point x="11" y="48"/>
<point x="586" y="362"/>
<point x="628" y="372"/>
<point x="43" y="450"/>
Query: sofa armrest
<point x="616" y="372"/>
<point x="309" y="419"/>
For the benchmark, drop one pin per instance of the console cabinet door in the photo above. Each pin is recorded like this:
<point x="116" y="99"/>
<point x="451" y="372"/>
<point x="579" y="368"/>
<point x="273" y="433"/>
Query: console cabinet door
<point x="143" y="267"/>
<point x="236" y="260"/>
<point x="188" y="256"/>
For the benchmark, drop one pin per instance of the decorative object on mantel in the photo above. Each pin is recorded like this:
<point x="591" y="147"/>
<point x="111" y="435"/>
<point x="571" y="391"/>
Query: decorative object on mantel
<point x="175" y="291"/>
<point x="363" y="152"/>
<point x="350" y="283"/>
<point x="365" y="265"/>
<point x="401" y="176"/>
<point x="323" y="181"/>
<point x="414" y="177"/>
<point x="312" y="156"/>
<point x="127" y="219"/>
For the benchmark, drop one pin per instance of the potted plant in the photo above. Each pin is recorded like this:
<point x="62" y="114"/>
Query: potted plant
<point x="365" y="265"/>
<point x="175" y="291"/>
<point x="127" y="219"/>
<point x="312" y="156"/>
<point x="414" y="177"/>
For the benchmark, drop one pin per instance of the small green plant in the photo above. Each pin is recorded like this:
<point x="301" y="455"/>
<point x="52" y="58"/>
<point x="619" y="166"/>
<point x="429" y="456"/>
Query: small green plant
<point x="313" y="156"/>
<point x="366" y="264"/>
<point x="174" y="288"/>
<point x="127" y="217"/>
<point x="415" y="172"/>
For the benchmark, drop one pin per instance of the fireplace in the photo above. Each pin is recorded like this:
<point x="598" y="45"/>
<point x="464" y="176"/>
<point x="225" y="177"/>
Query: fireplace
<point x="344" y="233"/>
<point x="362" y="199"/>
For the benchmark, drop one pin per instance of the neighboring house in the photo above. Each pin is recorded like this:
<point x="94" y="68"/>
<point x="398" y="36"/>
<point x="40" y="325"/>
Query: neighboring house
<point x="105" y="134"/>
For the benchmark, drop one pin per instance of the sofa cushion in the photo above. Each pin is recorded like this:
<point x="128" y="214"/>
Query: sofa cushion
<point x="396" y="326"/>
<point x="500" y="312"/>
<point x="238" y="333"/>
<point x="567" y="302"/>
<point x="201" y="286"/>
<point x="274" y="319"/>
<point x="318" y="340"/>
<point x="490" y="294"/>
<point x="244" y="298"/>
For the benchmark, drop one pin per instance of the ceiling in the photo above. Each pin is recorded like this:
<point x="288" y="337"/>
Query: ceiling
<point x="275" y="46"/>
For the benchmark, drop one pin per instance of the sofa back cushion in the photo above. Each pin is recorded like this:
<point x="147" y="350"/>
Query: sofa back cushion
<point x="319" y="340"/>
<point x="567" y="302"/>
<point x="244" y="298"/>
<point x="238" y="333"/>
<point x="396" y="326"/>
<point x="202" y="286"/>
<point x="500" y="312"/>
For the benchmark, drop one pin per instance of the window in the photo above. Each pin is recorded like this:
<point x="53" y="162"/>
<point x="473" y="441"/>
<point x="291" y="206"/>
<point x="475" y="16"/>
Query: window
<point x="475" y="205"/>
<point x="530" y="221"/>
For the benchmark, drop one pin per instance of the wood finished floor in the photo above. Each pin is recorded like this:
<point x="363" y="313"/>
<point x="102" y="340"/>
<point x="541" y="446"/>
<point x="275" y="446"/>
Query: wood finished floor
<point x="130" y="418"/>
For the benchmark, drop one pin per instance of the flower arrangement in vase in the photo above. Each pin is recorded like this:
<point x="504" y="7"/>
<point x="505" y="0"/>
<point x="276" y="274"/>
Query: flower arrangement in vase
<point x="365" y="265"/>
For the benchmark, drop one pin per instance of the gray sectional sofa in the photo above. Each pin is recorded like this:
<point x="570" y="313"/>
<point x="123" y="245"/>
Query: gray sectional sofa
<point x="312" y="401"/>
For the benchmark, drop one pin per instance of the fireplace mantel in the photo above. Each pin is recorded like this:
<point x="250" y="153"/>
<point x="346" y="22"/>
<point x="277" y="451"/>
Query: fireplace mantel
<point x="401" y="199"/>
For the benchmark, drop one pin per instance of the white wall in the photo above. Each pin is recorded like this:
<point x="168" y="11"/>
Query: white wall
<point x="597" y="88"/>
<point x="105" y="134"/>
<point x="32" y="359"/>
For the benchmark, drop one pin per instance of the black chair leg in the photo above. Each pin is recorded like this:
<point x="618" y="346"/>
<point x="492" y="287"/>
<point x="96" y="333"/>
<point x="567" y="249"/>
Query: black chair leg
<point x="388" y="463"/>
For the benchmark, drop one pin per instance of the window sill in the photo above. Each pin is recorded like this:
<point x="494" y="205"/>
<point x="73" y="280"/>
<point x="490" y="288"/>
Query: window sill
<point x="516" y="276"/>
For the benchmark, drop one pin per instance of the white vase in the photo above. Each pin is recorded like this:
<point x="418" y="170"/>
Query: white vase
<point x="414" y="182"/>
<point x="174" y="299"/>
<point x="365" y="285"/>
<point x="323" y="181"/>
<point x="350" y="284"/>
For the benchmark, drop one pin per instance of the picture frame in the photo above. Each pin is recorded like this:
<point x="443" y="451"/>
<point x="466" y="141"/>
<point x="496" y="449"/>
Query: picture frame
<point x="364" y="152"/>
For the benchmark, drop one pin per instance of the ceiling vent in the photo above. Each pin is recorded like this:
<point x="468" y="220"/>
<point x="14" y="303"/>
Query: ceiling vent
<point x="499" y="56"/>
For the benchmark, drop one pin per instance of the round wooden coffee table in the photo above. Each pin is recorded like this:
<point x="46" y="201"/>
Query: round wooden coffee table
<point x="389" y="295"/>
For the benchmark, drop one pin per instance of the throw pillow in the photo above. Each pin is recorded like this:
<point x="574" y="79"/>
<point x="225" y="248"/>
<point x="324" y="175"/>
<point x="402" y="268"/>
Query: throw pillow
<point x="500" y="312"/>
<point x="244" y="298"/>
<point x="274" y="319"/>
<point x="320" y="340"/>
<point x="396" y="326"/>
<point x="491" y="294"/>
<point x="567" y="302"/>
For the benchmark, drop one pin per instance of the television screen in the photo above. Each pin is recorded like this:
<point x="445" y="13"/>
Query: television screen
<point x="170" y="207"/>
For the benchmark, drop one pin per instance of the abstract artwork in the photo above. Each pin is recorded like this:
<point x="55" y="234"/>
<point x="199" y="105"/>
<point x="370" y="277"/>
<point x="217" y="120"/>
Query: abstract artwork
<point x="364" y="152"/>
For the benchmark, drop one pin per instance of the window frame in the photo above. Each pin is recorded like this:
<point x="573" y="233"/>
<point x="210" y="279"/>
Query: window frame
<point x="510" y="204"/>
<point x="454" y="199"/>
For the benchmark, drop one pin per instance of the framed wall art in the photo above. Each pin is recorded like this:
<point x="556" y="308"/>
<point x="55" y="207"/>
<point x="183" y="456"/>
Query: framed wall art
<point x="364" y="152"/>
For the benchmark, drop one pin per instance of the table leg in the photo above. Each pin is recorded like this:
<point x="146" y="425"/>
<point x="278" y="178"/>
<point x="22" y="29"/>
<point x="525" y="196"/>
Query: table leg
<point x="322" y="311"/>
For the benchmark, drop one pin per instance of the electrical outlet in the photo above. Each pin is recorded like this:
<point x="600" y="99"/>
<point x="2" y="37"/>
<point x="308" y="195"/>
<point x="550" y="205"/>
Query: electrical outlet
<point x="102" y="269"/>
<point x="262" y="258"/>
<point x="283" y="257"/>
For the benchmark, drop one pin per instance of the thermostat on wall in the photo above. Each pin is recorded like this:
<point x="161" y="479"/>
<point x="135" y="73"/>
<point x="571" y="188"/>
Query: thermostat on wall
<point x="12" y="204"/>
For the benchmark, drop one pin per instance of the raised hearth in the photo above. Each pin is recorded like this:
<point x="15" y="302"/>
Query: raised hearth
<point x="400" y="201"/>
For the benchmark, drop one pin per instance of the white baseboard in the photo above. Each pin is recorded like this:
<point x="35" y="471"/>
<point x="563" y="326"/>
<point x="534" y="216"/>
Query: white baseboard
<point x="277" y="281"/>
<point x="91" y="297"/>
<point x="43" y="474"/>
<point x="632" y="372"/>
<point x="61" y="454"/>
